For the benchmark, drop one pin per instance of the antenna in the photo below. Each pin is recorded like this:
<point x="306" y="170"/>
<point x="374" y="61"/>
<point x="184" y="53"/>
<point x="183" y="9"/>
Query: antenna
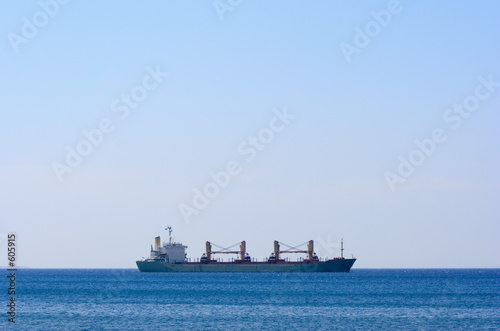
<point x="342" y="248"/>
<point x="169" y="228"/>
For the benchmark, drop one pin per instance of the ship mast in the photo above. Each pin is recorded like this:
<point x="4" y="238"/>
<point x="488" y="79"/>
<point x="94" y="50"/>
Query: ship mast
<point x="342" y="248"/>
<point x="169" y="228"/>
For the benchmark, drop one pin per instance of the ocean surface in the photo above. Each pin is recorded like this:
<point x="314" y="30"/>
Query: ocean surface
<point x="376" y="299"/>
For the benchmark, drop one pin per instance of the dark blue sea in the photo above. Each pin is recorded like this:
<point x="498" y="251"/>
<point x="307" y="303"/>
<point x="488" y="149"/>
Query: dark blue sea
<point x="125" y="299"/>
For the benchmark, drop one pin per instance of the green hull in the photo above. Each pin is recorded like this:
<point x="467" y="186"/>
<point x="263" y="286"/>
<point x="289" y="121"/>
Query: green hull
<point x="339" y="265"/>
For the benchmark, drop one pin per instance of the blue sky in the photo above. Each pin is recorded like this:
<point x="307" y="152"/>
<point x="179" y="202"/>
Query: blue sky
<point x="322" y="177"/>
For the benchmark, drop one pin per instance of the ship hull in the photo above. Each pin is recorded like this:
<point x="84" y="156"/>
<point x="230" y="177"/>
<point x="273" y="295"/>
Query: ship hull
<point x="340" y="265"/>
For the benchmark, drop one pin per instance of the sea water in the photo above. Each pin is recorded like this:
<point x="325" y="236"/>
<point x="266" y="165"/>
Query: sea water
<point x="125" y="299"/>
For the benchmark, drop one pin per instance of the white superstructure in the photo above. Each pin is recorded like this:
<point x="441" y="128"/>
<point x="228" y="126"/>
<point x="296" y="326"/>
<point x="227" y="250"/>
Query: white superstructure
<point x="170" y="252"/>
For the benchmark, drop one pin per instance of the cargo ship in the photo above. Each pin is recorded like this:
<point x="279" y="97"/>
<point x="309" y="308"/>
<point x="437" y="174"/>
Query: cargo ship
<point x="171" y="256"/>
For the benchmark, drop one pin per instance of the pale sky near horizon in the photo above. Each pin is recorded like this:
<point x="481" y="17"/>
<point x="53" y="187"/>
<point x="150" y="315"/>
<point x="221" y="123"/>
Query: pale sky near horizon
<point x="429" y="71"/>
